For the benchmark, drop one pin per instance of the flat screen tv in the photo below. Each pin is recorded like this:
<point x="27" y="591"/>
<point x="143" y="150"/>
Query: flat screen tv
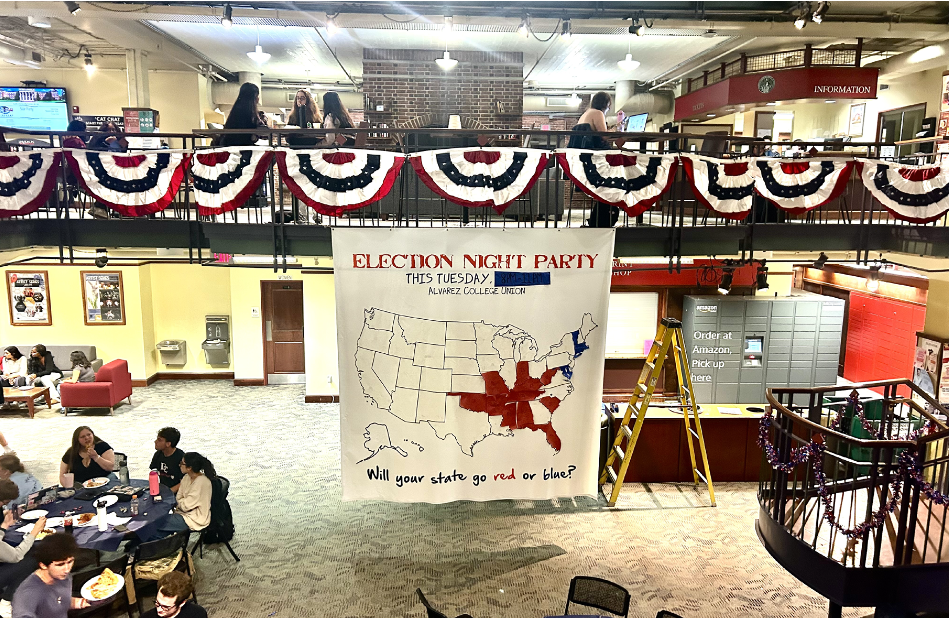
<point x="41" y="109"/>
<point x="637" y="122"/>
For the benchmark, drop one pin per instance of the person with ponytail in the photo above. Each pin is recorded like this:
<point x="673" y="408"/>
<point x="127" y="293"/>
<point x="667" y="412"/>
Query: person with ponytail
<point x="194" y="496"/>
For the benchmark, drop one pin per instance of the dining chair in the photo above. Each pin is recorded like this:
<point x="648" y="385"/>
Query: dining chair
<point x="154" y="559"/>
<point x="599" y="593"/>
<point x="432" y="612"/>
<point x="220" y="486"/>
<point x="664" y="613"/>
<point x="119" y="566"/>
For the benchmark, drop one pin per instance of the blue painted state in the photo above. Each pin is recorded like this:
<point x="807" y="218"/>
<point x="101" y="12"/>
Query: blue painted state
<point x="579" y="346"/>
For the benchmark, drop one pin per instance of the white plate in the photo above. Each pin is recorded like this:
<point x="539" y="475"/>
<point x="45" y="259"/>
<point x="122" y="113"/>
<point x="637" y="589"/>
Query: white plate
<point x="95" y="483"/>
<point x="92" y="521"/>
<point x="109" y="499"/>
<point x="54" y="522"/>
<point x="89" y="584"/>
<point x="33" y="515"/>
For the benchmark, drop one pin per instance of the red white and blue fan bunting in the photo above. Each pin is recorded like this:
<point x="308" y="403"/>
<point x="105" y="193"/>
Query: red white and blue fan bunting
<point x="912" y="193"/>
<point x="224" y="179"/>
<point x="478" y="177"/>
<point x="800" y="185"/>
<point x="628" y="181"/>
<point x="332" y="181"/>
<point x="26" y="181"/>
<point x="132" y="184"/>
<point x="725" y="186"/>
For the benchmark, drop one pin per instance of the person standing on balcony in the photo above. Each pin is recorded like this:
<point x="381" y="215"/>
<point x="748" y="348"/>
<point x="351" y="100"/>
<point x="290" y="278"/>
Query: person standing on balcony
<point x="336" y="116"/>
<point x="243" y="115"/>
<point x="304" y="116"/>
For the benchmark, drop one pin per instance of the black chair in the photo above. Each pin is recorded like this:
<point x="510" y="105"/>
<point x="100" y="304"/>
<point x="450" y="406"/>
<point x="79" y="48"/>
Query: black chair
<point x="220" y="486"/>
<point x="599" y="593"/>
<point x="118" y="600"/>
<point x="167" y="547"/>
<point x="664" y="613"/>
<point x="431" y="612"/>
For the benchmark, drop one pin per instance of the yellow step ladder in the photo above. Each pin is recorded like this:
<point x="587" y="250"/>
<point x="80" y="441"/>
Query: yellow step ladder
<point x="669" y="335"/>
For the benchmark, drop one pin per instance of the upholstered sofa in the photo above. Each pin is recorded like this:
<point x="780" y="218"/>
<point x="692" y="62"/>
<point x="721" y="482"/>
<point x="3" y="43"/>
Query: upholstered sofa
<point x="61" y="354"/>
<point x="113" y="384"/>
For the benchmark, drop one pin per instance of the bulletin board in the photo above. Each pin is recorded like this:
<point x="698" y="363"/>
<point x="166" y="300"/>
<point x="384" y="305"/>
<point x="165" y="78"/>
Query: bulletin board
<point x="632" y="320"/>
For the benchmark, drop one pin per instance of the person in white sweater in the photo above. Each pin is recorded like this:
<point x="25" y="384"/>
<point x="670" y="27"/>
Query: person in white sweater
<point x="194" y="497"/>
<point x="15" y="563"/>
<point x="14" y="368"/>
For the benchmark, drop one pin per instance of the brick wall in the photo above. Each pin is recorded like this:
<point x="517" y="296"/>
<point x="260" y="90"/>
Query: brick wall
<point x="408" y="84"/>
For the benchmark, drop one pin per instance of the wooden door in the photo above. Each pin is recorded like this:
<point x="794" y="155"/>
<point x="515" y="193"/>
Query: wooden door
<point x="282" y="314"/>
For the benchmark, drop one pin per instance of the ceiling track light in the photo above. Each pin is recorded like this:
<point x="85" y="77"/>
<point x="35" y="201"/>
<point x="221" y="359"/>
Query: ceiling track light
<point x="872" y="282"/>
<point x="88" y="63"/>
<point x="566" y="29"/>
<point x="801" y="21"/>
<point x="820" y="12"/>
<point x="448" y="23"/>
<point x="820" y="261"/>
<point x="639" y="26"/>
<point x="73" y="7"/>
<point x="330" y="25"/>
<point x="523" y="28"/>
<point x="226" y="16"/>
<point x="762" y="284"/>
<point x="727" y="280"/>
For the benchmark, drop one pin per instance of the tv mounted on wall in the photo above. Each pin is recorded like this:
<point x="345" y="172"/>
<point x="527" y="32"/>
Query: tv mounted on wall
<point x="41" y="109"/>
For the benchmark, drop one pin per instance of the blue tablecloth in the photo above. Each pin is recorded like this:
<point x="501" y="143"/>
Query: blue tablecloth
<point x="89" y="537"/>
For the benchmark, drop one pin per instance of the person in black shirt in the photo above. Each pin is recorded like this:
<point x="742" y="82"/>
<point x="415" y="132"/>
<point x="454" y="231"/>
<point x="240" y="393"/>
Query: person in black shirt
<point x="171" y="600"/>
<point x="243" y="115"/>
<point x="43" y="370"/>
<point x="168" y="458"/>
<point x="88" y="457"/>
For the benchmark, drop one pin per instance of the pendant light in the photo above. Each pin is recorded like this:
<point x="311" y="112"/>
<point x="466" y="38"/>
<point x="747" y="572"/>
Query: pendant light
<point x="446" y="63"/>
<point x="259" y="56"/>
<point x="628" y="64"/>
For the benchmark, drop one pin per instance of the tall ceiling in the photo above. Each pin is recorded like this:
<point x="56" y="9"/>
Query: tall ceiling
<point x="683" y="36"/>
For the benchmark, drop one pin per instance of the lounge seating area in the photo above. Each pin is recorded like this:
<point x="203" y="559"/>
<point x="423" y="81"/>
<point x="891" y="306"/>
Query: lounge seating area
<point x="113" y="384"/>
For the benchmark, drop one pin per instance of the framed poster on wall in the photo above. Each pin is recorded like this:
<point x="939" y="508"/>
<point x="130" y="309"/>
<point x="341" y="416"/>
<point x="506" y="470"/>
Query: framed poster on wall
<point x="28" y="294"/>
<point x="103" y="302"/>
<point x="857" y="117"/>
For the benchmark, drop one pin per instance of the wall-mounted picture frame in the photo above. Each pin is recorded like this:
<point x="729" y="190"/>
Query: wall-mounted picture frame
<point x="28" y="297"/>
<point x="103" y="300"/>
<point x="857" y="118"/>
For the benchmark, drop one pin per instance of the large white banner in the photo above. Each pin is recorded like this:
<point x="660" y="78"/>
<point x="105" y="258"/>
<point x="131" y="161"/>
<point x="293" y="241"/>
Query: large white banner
<point x="471" y="361"/>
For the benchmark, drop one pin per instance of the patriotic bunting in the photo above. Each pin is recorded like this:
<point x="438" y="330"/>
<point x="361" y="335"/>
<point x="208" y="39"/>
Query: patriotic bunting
<point x="332" y="181"/>
<point x="798" y="186"/>
<point x="26" y="181"/>
<point x="916" y="194"/>
<point x="725" y="186"/>
<point x="132" y="184"/>
<point x="224" y="179"/>
<point x="625" y="180"/>
<point x="477" y="177"/>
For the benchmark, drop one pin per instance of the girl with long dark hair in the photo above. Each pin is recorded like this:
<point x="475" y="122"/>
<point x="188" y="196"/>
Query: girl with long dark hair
<point x="306" y="116"/>
<point x="82" y="370"/>
<point x="88" y="457"/>
<point x="336" y="116"/>
<point x="14" y="368"/>
<point x="243" y="115"/>
<point x="194" y="509"/>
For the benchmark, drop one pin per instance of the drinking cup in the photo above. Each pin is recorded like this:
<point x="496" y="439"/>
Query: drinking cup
<point x="68" y="480"/>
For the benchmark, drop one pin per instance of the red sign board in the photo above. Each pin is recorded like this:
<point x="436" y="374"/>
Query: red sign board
<point x="698" y="273"/>
<point x="784" y="85"/>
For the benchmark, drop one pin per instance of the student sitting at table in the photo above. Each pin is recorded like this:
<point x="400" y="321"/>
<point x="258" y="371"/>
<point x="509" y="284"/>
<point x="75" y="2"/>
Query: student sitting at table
<point x="88" y="457"/>
<point x="12" y="469"/>
<point x="171" y="600"/>
<point x="194" y="509"/>
<point x="82" y="370"/>
<point x="16" y="563"/>
<point x="167" y="459"/>
<point x="48" y="592"/>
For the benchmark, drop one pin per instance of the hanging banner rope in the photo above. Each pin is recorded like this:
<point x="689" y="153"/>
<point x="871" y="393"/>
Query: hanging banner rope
<point x="477" y="177"/>
<point x="332" y="181"/>
<point x="801" y="185"/>
<point x="916" y="194"/>
<point x="724" y="186"/>
<point x="622" y="179"/>
<point x="26" y="181"/>
<point x="224" y="179"/>
<point x="132" y="184"/>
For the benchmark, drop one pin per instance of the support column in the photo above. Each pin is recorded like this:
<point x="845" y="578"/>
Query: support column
<point x="250" y="76"/>
<point x="137" y="75"/>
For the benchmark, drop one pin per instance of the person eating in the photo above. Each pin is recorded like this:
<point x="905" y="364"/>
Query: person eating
<point x="88" y="457"/>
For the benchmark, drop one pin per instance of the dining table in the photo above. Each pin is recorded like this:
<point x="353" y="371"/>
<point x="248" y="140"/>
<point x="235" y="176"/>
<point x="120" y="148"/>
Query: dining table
<point x="142" y="526"/>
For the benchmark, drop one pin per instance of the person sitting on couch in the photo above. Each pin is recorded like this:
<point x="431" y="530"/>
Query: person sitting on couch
<point x="43" y="370"/>
<point x="14" y="368"/>
<point x="82" y="370"/>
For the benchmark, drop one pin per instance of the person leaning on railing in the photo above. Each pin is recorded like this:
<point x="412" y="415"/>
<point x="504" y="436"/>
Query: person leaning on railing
<point x="304" y="116"/>
<point x="336" y="116"/>
<point x="243" y="115"/>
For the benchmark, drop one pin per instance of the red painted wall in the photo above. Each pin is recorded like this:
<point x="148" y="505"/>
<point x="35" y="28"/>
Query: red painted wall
<point x="881" y="338"/>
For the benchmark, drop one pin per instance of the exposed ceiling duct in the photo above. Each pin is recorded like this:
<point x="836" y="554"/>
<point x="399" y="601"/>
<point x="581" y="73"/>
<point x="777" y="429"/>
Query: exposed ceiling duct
<point x="18" y="56"/>
<point x="655" y="102"/>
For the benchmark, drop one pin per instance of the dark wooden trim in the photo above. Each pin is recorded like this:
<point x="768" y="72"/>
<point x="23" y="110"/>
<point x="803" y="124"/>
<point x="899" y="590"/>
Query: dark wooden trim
<point x="310" y="272"/>
<point x="322" y="398"/>
<point x="248" y="382"/>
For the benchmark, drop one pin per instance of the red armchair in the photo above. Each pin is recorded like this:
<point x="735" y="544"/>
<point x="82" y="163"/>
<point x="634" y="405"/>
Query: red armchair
<point x="113" y="384"/>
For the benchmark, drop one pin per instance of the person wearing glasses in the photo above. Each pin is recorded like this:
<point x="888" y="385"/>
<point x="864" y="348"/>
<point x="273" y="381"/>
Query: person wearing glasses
<point x="48" y="592"/>
<point x="171" y="601"/>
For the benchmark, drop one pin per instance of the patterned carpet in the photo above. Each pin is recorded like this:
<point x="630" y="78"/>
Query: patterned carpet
<point x="305" y="553"/>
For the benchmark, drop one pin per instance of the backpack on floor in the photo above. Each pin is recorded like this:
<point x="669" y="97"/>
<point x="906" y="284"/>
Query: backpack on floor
<point x="222" y="527"/>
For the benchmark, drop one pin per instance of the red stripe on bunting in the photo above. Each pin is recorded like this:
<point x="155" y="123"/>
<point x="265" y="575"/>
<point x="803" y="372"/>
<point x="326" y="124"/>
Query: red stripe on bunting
<point x="131" y="161"/>
<point x="689" y="171"/>
<point x="919" y="174"/>
<point x="8" y="161"/>
<point x="482" y="157"/>
<point x="212" y="159"/>
<point x="334" y="210"/>
<point x="838" y="188"/>
<point x="337" y="158"/>
<point x="634" y="210"/>
<point x="137" y="210"/>
<point x="794" y="167"/>
<point x="241" y="197"/>
<point x="735" y="169"/>
<point x="44" y="194"/>
<point x="417" y="164"/>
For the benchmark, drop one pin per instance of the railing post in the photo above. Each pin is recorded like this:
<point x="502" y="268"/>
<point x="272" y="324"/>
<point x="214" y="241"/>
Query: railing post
<point x="723" y="70"/>
<point x="743" y="62"/>
<point x="705" y="78"/>
<point x="859" y="52"/>
<point x="808" y="56"/>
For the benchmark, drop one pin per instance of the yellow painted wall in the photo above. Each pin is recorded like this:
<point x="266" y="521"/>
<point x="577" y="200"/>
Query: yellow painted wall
<point x="937" y="308"/>
<point x="923" y="87"/>
<point x="177" y="96"/>
<point x="320" y="335"/>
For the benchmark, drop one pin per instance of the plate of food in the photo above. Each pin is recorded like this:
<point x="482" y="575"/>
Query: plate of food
<point x="54" y="521"/>
<point x="102" y="586"/>
<point x="44" y="533"/>
<point x="33" y="515"/>
<point x="95" y="483"/>
<point x="109" y="499"/>
<point x="84" y="519"/>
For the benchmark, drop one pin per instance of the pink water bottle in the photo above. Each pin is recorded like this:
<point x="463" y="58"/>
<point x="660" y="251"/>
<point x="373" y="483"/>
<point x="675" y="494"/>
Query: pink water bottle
<point x="153" y="482"/>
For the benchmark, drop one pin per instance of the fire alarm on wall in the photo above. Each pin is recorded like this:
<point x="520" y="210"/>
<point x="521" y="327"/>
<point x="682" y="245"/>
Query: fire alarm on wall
<point x="75" y="109"/>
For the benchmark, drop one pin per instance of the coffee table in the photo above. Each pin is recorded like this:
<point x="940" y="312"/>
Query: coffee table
<point x="16" y="395"/>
